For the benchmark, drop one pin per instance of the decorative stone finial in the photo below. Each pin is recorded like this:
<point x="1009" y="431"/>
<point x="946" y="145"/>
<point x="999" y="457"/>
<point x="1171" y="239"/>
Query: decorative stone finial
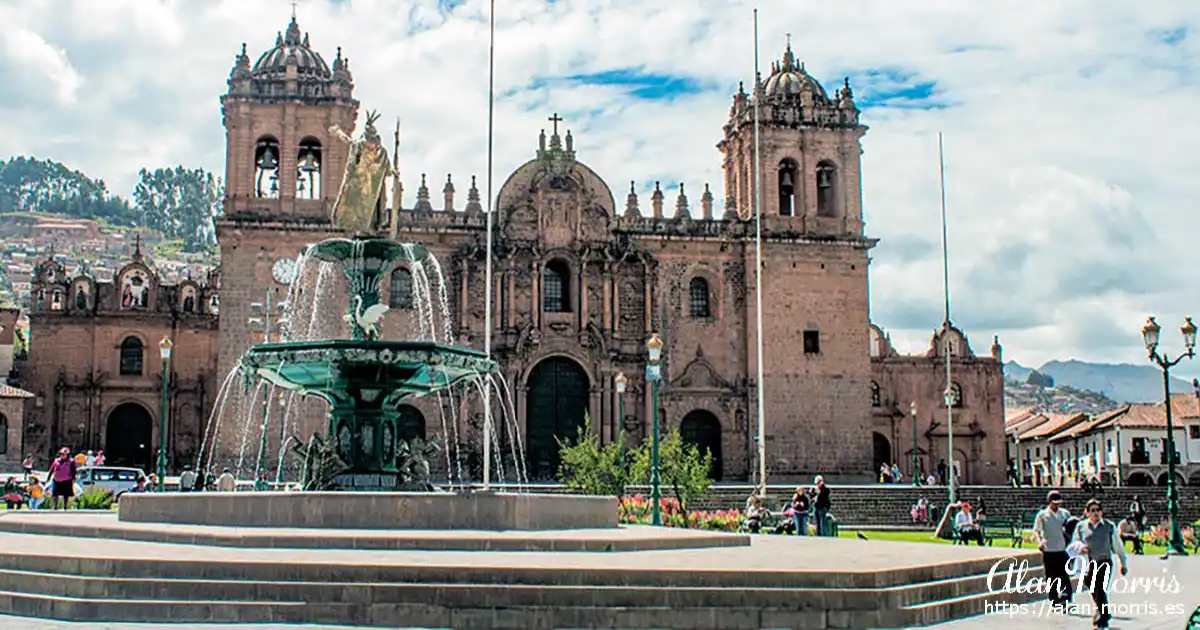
<point x="448" y="194"/>
<point x="706" y="204"/>
<point x="656" y="201"/>
<point x="473" y="205"/>
<point x="423" y="197"/>
<point x="682" y="212"/>
<point x="631" y="202"/>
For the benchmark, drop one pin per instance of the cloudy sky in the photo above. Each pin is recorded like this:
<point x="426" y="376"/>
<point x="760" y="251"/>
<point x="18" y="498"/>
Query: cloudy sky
<point x="1070" y="125"/>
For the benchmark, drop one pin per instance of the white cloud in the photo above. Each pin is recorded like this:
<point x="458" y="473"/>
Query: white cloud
<point x="1070" y="125"/>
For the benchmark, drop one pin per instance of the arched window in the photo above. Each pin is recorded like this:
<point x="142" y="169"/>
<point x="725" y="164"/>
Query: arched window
<point x="401" y="293"/>
<point x="699" y="299"/>
<point x="876" y="396"/>
<point x="556" y="288"/>
<point x="308" y="169"/>
<point x="56" y="301"/>
<point x="956" y="395"/>
<point x="827" y="189"/>
<point x="787" y="187"/>
<point x="131" y="357"/>
<point x="266" y="168"/>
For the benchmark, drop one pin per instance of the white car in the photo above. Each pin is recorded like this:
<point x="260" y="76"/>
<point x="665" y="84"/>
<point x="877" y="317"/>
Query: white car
<point x="117" y="479"/>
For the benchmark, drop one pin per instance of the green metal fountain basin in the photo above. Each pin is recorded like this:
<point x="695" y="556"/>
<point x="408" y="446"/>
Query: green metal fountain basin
<point x="336" y="369"/>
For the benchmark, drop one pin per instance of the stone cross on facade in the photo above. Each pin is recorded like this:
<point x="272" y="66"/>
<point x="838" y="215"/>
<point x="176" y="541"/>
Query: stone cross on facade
<point x="555" y="119"/>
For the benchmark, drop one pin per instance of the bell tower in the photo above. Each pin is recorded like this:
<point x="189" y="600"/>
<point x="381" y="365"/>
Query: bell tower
<point x="810" y="150"/>
<point x="282" y="164"/>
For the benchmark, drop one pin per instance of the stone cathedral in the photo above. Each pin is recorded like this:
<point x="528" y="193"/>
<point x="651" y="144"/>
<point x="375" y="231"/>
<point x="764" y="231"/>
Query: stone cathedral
<point x="584" y="272"/>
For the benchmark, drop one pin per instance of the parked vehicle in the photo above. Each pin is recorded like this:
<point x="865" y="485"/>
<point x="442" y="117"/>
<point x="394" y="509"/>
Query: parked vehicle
<point x="117" y="479"/>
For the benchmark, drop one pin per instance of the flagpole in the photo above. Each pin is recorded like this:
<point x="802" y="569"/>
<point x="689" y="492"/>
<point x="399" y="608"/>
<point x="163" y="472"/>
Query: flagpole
<point x="758" y="290"/>
<point x="948" y="394"/>
<point x="487" y="316"/>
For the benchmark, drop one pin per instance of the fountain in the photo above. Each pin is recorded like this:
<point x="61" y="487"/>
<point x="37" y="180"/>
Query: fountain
<point x="363" y="379"/>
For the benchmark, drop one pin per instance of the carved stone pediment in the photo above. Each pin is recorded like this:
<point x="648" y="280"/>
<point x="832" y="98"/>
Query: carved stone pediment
<point x="700" y="374"/>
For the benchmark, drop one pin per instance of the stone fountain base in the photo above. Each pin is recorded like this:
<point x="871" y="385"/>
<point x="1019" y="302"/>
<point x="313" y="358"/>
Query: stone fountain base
<point x="373" y="510"/>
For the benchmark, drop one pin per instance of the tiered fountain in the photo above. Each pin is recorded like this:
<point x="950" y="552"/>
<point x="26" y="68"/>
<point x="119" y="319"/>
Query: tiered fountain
<point x="363" y="379"/>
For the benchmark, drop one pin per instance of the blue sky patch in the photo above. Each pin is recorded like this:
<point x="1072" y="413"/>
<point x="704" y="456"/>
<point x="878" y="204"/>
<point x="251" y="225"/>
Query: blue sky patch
<point x="1171" y="36"/>
<point x="896" y="88"/>
<point x="637" y="83"/>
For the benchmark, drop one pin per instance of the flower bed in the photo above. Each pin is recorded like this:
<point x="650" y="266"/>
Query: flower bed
<point x="636" y="510"/>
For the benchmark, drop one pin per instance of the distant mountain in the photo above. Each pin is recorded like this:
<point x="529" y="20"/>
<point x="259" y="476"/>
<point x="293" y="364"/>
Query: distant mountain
<point x="1120" y="382"/>
<point x="1014" y="371"/>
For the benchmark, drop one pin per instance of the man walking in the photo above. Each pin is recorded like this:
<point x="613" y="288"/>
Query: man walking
<point x="1100" y="541"/>
<point x="1048" y="530"/>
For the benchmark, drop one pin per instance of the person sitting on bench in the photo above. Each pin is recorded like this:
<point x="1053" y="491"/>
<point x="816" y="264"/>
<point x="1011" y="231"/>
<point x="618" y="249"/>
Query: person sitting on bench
<point x="1129" y="533"/>
<point x="755" y="513"/>
<point x="967" y="528"/>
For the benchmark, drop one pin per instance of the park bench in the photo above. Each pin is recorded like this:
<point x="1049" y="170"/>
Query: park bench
<point x="1010" y="529"/>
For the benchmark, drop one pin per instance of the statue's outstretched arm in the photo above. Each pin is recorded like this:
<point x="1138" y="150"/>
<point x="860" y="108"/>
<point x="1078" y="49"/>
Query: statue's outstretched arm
<point x="337" y="131"/>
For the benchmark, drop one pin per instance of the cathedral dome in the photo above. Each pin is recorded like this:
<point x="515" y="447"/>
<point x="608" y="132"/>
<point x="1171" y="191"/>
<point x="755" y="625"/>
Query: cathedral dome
<point x="290" y="47"/>
<point x="789" y="79"/>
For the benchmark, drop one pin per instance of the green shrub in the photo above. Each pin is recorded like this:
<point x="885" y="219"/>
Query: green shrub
<point x="95" y="498"/>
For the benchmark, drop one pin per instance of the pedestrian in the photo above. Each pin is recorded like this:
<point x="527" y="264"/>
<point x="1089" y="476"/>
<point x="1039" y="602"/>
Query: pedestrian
<point x="226" y="482"/>
<point x="1100" y="543"/>
<point x="27" y="465"/>
<point x="941" y="472"/>
<point x="187" y="480"/>
<point x="99" y="458"/>
<point x="822" y="505"/>
<point x="1138" y="512"/>
<point x="89" y="459"/>
<point x="62" y="473"/>
<point x="1048" y="529"/>
<point x="36" y="492"/>
<point x="800" y="506"/>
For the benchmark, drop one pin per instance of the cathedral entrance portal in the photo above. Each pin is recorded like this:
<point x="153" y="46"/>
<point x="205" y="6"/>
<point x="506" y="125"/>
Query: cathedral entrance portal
<point x="128" y="437"/>
<point x="555" y="407"/>
<point x="701" y="429"/>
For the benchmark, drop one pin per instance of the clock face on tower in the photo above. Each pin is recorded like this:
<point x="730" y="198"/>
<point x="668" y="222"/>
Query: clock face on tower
<point x="284" y="270"/>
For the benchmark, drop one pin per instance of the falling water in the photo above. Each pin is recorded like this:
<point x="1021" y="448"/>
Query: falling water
<point x="310" y="316"/>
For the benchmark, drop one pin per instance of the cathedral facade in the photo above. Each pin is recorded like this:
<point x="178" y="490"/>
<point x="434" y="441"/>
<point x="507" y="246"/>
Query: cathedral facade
<point x="584" y="273"/>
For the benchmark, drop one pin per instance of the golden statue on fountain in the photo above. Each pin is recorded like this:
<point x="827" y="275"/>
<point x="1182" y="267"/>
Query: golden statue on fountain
<point x="361" y="208"/>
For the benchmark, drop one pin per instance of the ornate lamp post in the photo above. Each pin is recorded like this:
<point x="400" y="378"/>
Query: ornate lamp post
<point x="916" y="474"/>
<point x="1150" y="335"/>
<point x="164" y="350"/>
<point x="621" y="382"/>
<point x="654" y="348"/>
<point x="951" y="475"/>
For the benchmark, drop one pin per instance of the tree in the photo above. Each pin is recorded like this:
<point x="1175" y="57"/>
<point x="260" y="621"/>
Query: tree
<point x="1038" y="379"/>
<point x="589" y="468"/>
<point x="32" y="185"/>
<point x="180" y="203"/>
<point x="682" y="469"/>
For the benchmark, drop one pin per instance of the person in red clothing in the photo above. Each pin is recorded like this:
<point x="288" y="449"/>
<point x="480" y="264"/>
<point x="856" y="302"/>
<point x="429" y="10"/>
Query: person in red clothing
<point x="62" y="475"/>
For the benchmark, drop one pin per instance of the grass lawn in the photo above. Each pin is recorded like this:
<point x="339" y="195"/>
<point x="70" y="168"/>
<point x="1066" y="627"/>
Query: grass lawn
<point x="928" y="537"/>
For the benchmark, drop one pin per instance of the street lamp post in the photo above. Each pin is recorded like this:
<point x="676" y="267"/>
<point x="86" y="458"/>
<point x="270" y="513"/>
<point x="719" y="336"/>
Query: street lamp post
<point x="621" y="382"/>
<point x="654" y="348"/>
<point x="1150" y="335"/>
<point x="916" y="474"/>
<point x="948" y="398"/>
<point x="164" y="350"/>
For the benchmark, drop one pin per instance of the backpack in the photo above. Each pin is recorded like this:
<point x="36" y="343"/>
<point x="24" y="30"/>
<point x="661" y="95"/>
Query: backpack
<point x="1069" y="528"/>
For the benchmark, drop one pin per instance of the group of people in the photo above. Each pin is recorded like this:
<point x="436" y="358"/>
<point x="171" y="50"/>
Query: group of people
<point x="806" y="503"/>
<point x="1096" y="540"/>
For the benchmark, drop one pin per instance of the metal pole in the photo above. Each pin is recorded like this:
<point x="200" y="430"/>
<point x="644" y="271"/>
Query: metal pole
<point x="262" y="445"/>
<point x="916" y="474"/>
<point x="1175" y="547"/>
<point x="758" y="289"/>
<point x="655" y="478"/>
<point x="946" y="292"/>
<point x="162" y="427"/>
<point x="487" y="315"/>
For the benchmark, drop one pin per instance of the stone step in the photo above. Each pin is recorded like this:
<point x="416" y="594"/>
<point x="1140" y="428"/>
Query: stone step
<point x="467" y="595"/>
<point x="426" y="615"/>
<point x="561" y="574"/>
